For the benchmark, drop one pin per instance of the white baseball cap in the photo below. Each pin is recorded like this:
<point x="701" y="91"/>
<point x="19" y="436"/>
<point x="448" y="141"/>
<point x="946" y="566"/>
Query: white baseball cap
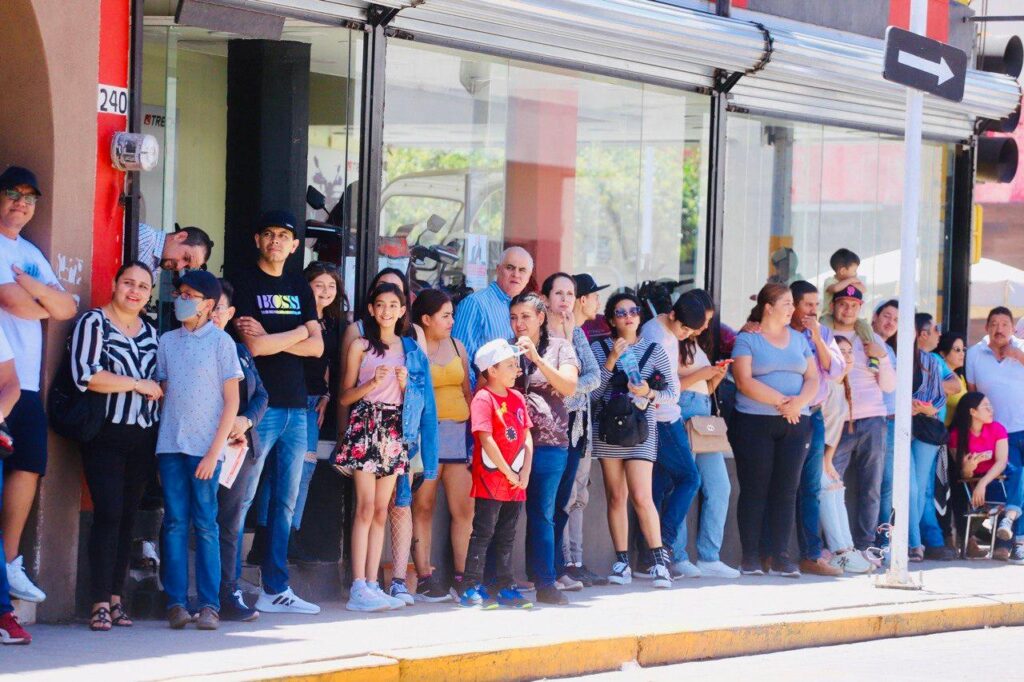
<point x="493" y="352"/>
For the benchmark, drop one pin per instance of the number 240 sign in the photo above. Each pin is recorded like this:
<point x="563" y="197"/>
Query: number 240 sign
<point x="112" y="100"/>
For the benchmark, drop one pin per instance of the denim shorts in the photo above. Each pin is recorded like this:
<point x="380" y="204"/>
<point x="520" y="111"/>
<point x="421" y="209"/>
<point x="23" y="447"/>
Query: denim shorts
<point x="451" y="439"/>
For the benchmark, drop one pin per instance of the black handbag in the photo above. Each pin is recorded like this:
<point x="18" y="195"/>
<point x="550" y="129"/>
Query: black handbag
<point x="75" y="414"/>
<point x="929" y="430"/>
<point x="620" y="421"/>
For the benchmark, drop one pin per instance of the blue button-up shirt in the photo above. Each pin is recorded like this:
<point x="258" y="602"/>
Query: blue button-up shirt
<point x="194" y="367"/>
<point x="482" y="317"/>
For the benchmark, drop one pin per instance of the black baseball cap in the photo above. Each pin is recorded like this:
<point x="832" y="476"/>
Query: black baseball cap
<point x="202" y="281"/>
<point x="279" y="218"/>
<point x="849" y="292"/>
<point x="586" y="285"/>
<point x="16" y="175"/>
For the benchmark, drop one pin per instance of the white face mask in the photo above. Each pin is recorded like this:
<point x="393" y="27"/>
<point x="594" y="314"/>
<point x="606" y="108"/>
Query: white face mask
<point x="186" y="309"/>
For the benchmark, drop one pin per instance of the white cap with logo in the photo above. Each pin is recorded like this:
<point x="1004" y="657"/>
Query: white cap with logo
<point x="493" y="352"/>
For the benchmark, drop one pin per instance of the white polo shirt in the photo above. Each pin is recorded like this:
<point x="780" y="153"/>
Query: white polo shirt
<point x="1002" y="381"/>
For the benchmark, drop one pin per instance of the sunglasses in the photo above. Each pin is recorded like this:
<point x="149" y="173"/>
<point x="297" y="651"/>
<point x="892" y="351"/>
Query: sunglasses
<point x="14" y="195"/>
<point x="623" y="313"/>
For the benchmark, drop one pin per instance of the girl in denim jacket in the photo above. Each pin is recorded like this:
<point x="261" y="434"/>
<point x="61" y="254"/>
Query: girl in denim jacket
<point x="388" y="385"/>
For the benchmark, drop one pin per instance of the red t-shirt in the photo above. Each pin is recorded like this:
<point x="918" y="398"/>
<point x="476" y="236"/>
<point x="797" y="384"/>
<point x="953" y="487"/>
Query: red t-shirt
<point x="506" y="419"/>
<point x="984" y="443"/>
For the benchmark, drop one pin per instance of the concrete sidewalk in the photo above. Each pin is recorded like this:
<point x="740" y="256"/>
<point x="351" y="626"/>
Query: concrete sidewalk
<point x="600" y="630"/>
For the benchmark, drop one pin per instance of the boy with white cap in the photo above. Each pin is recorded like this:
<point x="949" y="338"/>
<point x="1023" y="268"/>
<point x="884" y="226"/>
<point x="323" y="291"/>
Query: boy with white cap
<point x="502" y="456"/>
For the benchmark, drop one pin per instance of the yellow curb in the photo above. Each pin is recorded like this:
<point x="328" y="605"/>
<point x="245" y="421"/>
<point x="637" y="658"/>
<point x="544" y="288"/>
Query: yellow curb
<point x="601" y="655"/>
<point x="528" y="663"/>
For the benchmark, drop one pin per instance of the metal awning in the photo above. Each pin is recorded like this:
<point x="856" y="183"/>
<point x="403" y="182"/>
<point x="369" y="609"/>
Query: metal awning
<point x="791" y="70"/>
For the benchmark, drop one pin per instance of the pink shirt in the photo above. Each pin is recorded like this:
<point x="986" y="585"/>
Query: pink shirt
<point x="866" y="386"/>
<point x="389" y="391"/>
<point x="984" y="444"/>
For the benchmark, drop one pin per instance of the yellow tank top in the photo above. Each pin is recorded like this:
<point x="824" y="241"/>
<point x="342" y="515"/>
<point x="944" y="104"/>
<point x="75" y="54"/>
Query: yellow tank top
<point x="451" y="401"/>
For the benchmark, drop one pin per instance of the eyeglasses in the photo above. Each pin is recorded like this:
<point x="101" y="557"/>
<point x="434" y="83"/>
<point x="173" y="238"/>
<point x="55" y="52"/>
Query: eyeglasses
<point x="187" y="297"/>
<point x="627" y="312"/>
<point x="14" y="195"/>
<point x="220" y="308"/>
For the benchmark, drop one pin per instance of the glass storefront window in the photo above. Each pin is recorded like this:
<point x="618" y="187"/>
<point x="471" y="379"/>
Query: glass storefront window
<point x="589" y="174"/>
<point x="797" y="192"/>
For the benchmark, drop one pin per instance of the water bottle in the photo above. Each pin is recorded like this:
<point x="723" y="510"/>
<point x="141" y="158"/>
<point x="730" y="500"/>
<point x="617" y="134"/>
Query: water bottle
<point x="631" y="367"/>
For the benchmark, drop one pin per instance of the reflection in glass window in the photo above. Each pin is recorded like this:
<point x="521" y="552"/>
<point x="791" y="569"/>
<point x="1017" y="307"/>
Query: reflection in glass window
<point x="797" y="192"/>
<point x="590" y="174"/>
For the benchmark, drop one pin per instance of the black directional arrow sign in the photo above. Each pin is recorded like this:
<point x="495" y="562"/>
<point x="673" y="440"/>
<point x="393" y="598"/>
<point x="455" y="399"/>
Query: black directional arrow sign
<point x="924" y="64"/>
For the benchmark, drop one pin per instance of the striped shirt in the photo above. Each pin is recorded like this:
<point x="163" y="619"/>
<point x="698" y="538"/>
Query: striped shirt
<point x="482" y="317"/>
<point x="116" y="353"/>
<point x="657" y="362"/>
<point x="151" y="248"/>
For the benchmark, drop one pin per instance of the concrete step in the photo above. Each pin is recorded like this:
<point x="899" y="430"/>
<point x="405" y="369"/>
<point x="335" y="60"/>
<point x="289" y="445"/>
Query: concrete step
<point x="25" y="611"/>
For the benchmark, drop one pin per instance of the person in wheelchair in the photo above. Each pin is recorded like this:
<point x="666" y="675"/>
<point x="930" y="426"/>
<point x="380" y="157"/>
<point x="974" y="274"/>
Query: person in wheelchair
<point x="979" y="447"/>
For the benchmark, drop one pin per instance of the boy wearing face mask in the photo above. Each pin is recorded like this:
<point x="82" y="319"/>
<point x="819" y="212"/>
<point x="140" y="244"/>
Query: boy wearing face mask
<point x="199" y="371"/>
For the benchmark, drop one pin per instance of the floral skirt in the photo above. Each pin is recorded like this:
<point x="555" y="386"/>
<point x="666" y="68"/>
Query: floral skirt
<point x="373" y="441"/>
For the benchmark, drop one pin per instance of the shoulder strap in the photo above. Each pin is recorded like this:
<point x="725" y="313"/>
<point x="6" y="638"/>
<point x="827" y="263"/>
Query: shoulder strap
<point x="456" y="347"/>
<point x="647" y="355"/>
<point x="605" y="346"/>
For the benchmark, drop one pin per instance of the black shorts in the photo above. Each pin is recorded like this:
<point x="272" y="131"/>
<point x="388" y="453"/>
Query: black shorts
<point x="27" y="422"/>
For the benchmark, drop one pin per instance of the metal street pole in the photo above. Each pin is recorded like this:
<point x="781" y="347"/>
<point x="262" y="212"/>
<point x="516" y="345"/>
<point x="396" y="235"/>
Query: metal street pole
<point x="897" y="576"/>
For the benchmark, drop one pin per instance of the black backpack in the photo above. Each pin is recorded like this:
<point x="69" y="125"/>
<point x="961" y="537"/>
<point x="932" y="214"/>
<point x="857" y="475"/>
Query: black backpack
<point x="620" y="422"/>
<point x="78" y="415"/>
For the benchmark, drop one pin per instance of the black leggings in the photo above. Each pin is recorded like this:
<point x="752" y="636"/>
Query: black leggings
<point x="769" y="454"/>
<point x="117" y="464"/>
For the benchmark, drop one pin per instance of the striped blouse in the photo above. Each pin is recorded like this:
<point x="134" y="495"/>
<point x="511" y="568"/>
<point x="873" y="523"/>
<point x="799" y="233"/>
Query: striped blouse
<point x="657" y="363"/>
<point x="134" y="357"/>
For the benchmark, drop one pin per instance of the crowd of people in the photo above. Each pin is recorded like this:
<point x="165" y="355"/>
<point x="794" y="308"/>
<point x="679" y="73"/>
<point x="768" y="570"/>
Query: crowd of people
<point x="505" y="401"/>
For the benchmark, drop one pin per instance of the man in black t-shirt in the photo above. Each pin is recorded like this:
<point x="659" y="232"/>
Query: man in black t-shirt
<point x="277" y="322"/>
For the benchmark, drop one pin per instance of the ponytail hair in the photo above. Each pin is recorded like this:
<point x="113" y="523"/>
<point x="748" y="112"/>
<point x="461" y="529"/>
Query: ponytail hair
<point x="769" y="295"/>
<point x="690" y="313"/>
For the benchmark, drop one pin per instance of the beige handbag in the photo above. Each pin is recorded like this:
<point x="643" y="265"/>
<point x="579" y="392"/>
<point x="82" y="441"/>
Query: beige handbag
<point x="708" y="434"/>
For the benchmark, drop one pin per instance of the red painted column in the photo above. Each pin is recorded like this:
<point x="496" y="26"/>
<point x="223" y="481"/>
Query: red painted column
<point x="540" y="174"/>
<point x="938" y="17"/>
<point x="111" y="117"/>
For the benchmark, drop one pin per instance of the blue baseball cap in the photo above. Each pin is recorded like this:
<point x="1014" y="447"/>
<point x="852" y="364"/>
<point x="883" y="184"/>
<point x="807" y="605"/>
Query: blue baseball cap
<point x="15" y="176"/>
<point x="202" y="281"/>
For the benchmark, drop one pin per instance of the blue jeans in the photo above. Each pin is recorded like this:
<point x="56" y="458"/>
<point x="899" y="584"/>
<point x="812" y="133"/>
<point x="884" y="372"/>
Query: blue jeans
<point x="564" y="492"/>
<point x="284" y="428"/>
<point x="807" y="504"/>
<point x="675" y="480"/>
<point x="885" y="501"/>
<point x="187" y="500"/>
<point x="715" y="489"/>
<point x="1015" y="480"/>
<point x="922" y="527"/>
<point x="5" y="588"/>
<point x="312" y="442"/>
<point x="549" y="465"/>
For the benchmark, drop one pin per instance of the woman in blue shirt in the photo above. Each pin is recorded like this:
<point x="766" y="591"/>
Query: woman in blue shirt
<point x="776" y="377"/>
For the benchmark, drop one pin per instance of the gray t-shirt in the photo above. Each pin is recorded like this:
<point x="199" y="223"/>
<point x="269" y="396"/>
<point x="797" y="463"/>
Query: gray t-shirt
<point x="194" y="366"/>
<point x="780" y="368"/>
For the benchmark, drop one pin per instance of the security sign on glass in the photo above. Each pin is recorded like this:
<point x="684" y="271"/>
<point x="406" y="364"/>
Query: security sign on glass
<point x="924" y="64"/>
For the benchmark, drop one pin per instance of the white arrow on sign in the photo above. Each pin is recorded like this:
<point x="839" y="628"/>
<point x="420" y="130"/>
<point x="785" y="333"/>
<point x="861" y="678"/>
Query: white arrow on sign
<point x="940" y="70"/>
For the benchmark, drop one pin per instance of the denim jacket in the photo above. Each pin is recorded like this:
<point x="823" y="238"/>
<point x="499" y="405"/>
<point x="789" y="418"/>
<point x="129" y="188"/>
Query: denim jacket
<point x="419" y="418"/>
<point x="256" y="399"/>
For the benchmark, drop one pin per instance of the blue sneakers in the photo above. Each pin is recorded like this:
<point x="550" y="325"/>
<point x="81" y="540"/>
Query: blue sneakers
<point x="476" y="596"/>
<point x="513" y="598"/>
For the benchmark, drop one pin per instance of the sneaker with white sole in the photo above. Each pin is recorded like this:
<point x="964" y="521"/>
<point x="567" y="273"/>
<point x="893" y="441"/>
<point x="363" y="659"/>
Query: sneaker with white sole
<point x="11" y="631"/>
<point x="285" y="602"/>
<point x="621" y="574"/>
<point x="363" y="599"/>
<point x="662" y="576"/>
<point x="399" y="591"/>
<point x="1005" y="531"/>
<point x="394" y="603"/>
<point x="1017" y="555"/>
<point x="717" y="569"/>
<point x="21" y="586"/>
<point x="852" y="561"/>
<point x="684" y="569"/>
<point x="567" y="583"/>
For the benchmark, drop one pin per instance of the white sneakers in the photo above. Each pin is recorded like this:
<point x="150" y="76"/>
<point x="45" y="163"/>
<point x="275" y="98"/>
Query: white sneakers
<point x="285" y="602"/>
<point x="622" y="574"/>
<point x="21" y="587"/>
<point x="717" y="569"/>
<point x="366" y="599"/>
<point x="567" y="583"/>
<point x="685" y="569"/>
<point x="661" y="577"/>
<point x="851" y="561"/>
